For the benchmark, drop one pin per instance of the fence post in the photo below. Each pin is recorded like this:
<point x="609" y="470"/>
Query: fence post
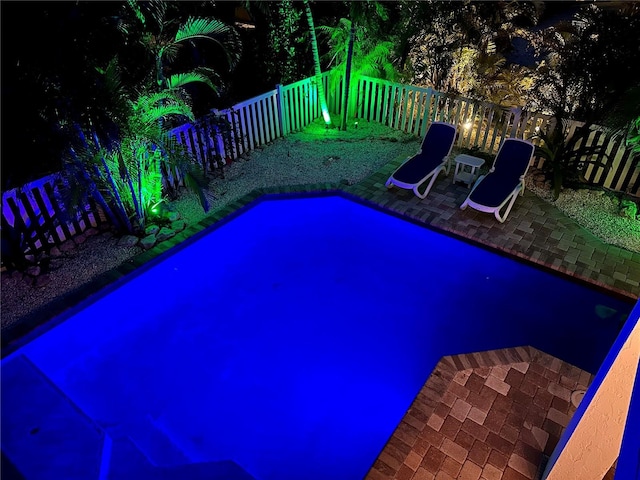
<point x="281" y="110"/>
<point x="426" y="115"/>
<point x="218" y="141"/>
<point x="517" y="112"/>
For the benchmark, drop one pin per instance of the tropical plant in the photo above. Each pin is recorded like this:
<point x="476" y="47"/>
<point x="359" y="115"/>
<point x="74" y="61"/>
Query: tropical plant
<point x="453" y="46"/>
<point x="279" y="40"/>
<point x="356" y="51"/>
<point x="178" y="58"/>
<point x="633" y="136"/>
<point x="18" y="246"/>
<point x="316" y="64"/>
<point x="624" y="118"/>
<point x="509" y="87"/>
<point x="125" y="174"/>
<point x="566" y="155"/>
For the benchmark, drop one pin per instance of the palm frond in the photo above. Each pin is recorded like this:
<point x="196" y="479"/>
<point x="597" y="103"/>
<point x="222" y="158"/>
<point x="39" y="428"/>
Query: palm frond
<point x="150" y="109"/>
<point x="135" y="7"/>
<point x="199" y="27"/>
<point x="147" y="101"/>
<point x="214" y="30"/>
<point x="200" y="75"/>
<point x="153" y="115"/>
<point x="170" y="51"/>
<point x="377" y="63"/>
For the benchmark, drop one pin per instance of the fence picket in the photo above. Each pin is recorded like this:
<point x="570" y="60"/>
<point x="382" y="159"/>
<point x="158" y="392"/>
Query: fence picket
<point x="290" y="108"/>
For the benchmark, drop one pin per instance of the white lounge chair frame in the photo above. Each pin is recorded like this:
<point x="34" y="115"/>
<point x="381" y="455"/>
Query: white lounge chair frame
<point x="446" y="161"/>
<point x="510" y="199"/>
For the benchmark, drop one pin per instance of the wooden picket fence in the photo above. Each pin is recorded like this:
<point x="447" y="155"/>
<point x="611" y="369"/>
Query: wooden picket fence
<point x="484" y="126"/>
<point x="225" y="135"/>
<point x="38" y="214"/>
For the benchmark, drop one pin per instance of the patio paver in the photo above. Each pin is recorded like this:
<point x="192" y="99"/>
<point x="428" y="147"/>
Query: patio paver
<point x="498" y="420"/>
<point x="496" y="415"/>
<point x="535" y="231"/>
<point x="489" y="415"/>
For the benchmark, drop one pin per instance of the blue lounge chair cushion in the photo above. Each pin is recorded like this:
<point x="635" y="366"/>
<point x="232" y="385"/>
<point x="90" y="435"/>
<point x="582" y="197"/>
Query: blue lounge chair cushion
<point x="509" y="166"/>
<point x="514" y="158"/>
<point x="493" y="189"/>
<point x="435" y="147"/>
<point x="418" y="167"/>
<point x="499" y="189"/>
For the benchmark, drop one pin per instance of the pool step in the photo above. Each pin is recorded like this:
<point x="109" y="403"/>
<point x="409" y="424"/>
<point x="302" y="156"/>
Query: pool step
<point x="141" y="450"/>
<point x="153" y="443"/>
<point x="128" y="463"/>
<point x="44" y="435"/>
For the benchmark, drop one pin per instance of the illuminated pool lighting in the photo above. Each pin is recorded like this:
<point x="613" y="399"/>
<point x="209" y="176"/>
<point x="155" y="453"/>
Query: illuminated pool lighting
<point x="285" y="344"/>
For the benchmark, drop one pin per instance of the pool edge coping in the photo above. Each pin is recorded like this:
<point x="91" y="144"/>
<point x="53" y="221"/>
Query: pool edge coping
<point x="52" y="313"/>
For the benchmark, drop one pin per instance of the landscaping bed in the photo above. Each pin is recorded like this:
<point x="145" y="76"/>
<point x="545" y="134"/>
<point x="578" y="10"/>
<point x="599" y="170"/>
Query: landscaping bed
<point x="316" y="155"/>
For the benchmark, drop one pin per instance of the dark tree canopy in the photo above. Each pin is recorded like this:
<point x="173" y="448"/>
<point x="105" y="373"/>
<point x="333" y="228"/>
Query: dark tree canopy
<point x="53" y="52"/>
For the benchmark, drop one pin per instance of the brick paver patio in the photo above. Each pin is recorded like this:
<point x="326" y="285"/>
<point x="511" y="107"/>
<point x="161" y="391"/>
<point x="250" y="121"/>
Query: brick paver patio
<point x="496" y="415"/>
<point x="491" y="415"/>
<point x="485" y="416"/>
<point x="535" y="231"/>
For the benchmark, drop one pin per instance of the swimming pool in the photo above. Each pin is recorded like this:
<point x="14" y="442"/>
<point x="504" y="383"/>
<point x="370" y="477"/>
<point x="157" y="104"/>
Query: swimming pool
<point x="285" y="344"/>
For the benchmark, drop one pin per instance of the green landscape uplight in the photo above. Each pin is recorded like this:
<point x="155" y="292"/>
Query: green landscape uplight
<point x="326" y="116"/>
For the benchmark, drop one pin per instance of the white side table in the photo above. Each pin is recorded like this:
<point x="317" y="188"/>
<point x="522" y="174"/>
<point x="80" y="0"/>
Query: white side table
<point x="467" y="169"/>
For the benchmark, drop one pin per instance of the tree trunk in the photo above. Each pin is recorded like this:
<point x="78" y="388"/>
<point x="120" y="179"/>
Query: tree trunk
<point x="347" y="76"/>
<point x="316" y="63"/>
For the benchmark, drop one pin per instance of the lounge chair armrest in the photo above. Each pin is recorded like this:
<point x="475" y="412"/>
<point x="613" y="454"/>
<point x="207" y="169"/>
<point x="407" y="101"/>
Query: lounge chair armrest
<point x="476" y="183"/>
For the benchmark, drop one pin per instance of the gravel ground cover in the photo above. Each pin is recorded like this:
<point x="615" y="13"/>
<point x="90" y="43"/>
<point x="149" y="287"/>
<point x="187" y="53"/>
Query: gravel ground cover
<point x="598" y="211"/>
<point x="317" y="155"/>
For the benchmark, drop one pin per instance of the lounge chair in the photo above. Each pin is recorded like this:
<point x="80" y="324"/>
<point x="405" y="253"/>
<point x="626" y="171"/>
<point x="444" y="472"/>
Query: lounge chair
<point x="432" y="158"/>
<point x="504" y="181"/>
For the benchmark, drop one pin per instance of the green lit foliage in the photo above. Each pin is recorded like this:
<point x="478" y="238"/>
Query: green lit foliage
<point x="371" y="58"/>
<point x="566" y="155"/>
<point x="126" y="177"/>
<point x="633" y="136"/>
<point x="624" y="118"/>
<point x="283" y="38"/>
<point x="356" y="49"/>
<point x="167" y="45"/>
<point x="276" y="46"/>
<point x="316" y="64"/>
<point x="125" y="172"/>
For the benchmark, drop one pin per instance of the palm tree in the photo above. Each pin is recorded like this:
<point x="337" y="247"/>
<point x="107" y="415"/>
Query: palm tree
<point x="165" y="48"/>
<point x="624" y="119"/>
<point x="355" y="50"/>
<point x="359" y="12"/>
<point x="316" y="64"/>
<point x="125" y="175"/>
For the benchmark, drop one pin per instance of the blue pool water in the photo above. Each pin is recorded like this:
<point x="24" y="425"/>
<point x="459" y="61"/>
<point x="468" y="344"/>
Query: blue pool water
<point x="292" y="339"/>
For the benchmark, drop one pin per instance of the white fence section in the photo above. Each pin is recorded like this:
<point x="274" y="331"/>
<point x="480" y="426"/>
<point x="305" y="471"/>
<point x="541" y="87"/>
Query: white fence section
<point x="484" y="125"/>
<point x="224" y="135"/>
<point x="38" y="208"/>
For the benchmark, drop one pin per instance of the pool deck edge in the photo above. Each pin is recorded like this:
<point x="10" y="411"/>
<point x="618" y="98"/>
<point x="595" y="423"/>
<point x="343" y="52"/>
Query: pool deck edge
<point x="370" y="192"/>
